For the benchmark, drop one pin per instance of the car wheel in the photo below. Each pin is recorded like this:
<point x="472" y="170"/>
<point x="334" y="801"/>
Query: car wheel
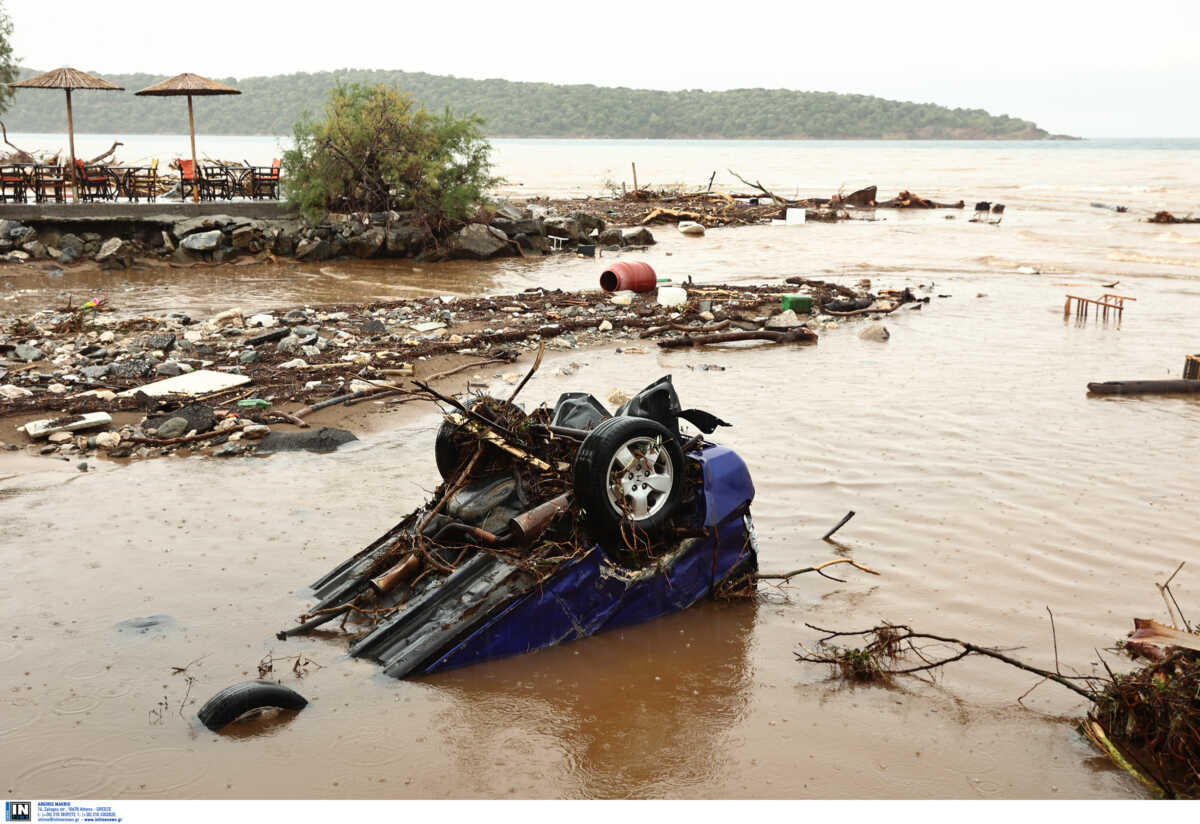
<point x="628" y="474"/>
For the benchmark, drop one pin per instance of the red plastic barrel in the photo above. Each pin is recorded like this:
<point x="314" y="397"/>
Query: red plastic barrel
<point x="632" y="275"/>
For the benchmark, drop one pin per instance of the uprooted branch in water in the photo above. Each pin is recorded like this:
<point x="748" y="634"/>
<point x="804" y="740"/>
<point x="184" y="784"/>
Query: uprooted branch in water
<point x="1147" y="721"/>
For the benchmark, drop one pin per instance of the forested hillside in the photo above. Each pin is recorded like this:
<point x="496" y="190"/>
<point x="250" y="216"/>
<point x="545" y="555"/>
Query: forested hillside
<point x="270" y="105"/>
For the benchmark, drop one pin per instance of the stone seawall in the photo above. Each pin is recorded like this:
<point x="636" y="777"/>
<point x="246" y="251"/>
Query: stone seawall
<point x="114" y="235"/>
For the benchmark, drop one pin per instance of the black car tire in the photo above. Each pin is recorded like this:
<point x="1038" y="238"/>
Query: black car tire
<point x="448" y="449"/>
<point x="237" y="700"/>
<point x="655" y="487"/>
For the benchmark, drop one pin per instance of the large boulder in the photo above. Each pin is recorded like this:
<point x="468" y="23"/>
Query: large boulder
<point x="610" y="237"/>
<point x="325" y="439"/>
<point x="202" y="241"/>
<point x="115" y="251"/>
<point x="368" y="243"/>
<point x="312" y="249"/>
<point x="191" y="225"/>
<point x="508" y="211"/>
<point x="564" y="227"/>
<point x="479" y="242"/>
<point x="588" y="223"/>
<point x="637" y="237"/>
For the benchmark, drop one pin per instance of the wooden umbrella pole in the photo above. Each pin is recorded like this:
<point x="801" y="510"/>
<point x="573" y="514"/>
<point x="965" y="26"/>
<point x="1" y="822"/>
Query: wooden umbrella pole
<point x="195" y="165"/>
<point x="71" y="140"/>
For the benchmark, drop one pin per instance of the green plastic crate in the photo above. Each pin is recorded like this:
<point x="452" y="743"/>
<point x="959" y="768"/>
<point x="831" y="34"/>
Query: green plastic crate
<point x="800" y="304"/>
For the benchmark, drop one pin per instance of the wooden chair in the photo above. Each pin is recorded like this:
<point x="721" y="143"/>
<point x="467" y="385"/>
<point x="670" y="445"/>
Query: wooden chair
<point x="49" y="183"/>
<point x="214" y="183"/>
<point x="187" y="178"/>
<point x="14" y="184"/>
<point x="264" y="183"/>
<point x="146" y="185"/>
<point x="94" y="183"/>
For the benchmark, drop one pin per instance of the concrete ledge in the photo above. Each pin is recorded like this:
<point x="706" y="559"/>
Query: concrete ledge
<point x="163" y="212"/>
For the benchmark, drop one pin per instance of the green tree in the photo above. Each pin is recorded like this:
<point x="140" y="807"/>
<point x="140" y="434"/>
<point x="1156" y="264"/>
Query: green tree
<point x="8" y="65"/>
<point x="376" y="149"/>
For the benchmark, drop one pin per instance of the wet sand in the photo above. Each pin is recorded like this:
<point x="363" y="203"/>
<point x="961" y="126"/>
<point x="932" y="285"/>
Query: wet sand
<point x="987" y="484"/>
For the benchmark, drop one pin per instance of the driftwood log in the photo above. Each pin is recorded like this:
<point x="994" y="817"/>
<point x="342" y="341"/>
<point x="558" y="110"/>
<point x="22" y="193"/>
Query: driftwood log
<point x="797" y="335"/>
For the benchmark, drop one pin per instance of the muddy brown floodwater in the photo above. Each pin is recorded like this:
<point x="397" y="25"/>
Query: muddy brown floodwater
<point x="988" y="486"/>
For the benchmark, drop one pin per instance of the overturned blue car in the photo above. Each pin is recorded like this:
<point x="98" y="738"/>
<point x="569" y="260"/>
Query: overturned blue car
<point x="548" y="527"/>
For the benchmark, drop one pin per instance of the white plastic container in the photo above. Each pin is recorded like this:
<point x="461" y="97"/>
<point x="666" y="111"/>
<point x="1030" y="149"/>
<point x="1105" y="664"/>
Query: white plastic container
<point x="671" y="295"/>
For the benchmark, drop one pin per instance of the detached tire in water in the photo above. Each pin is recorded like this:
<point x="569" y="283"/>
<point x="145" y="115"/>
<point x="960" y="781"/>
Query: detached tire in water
<point x="628" y="474"/>
<point x="234" y="702"/>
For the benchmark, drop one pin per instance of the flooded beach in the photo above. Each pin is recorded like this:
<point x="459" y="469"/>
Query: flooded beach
<point x="988" y="486"/>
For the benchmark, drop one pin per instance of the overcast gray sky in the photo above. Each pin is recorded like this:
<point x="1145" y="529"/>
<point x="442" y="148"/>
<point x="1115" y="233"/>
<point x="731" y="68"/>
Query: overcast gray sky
<point x="1096" y="69"/>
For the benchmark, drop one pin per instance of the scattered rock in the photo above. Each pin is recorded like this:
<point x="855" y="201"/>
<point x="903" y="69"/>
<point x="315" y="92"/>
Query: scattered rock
<point x="164" y="341"/>
<point x="173" y="428"/>
<point x="295" y="363"/>
<point x="264" y="320"/>
<point x="784" y="320"/>
<point x="368" y="243"/>
<point x="640" y="236"/>
<point x="876" y="332"/>
<point x="255" y="431"/>
<point x="325" y="439"/>
<point x="27" y="353"/>
<point x="197" y="416"/>
<point x="229" y="450"/>
<point x="478" y="241"/>
<point x="201" y="241"/>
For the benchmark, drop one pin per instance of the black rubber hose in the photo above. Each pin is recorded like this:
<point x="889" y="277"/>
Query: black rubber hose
<point x="234" y="701"/>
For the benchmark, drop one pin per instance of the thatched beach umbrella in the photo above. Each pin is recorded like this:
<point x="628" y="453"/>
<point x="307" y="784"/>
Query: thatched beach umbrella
<point x="67" y="79"/>
<point x="189" y="84"/>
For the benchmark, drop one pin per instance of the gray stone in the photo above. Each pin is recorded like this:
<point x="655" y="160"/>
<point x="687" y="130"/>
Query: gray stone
<point x="304" y="331"/>
<point x="27" y="353"/>
<point x="588" y="223"/>
<point x="876" y="332"/>
<point x="93" y="373"/>
<point x="373" y="326"/>
<point x="249" y="356"/>
<point x="405" y="240"/>
<point x="312" y="249"/>
<point x="22" y="234"/>
<point x="784" y="320"/>
<point x="202" y="241"/>
<point x="35" y="248"/>
<point x="68" y="256"/>
<point x="229" y="450"/>
<point x="110" y="249"/>
<point x="172" y="428"/>
<point x="295" y="316"/>
<point x="368" y="243"/>
<point x="198" y="416"/>
<point x="508" y="211"/>
<point x="7" y="227"/>
<point x="70" y="241"/>
<point x="564" y="227"/>
<point x="637" y="237"/>
<point x="163" y="340"/>
<point x="288" y="344"/>
<point x="478" y="242"/>
<point x="266" y="337"/>
<point x="610" y="237"/>
<point x="169" y="369"/>
<point x="133" y="369"/>
<point x="183" y="228"/>
<point x="243" y="237"/>
<point x="325" y="439"/>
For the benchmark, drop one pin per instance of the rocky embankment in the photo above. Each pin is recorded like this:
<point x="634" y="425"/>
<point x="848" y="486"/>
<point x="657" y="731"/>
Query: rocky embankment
<point x="508" y="231"/>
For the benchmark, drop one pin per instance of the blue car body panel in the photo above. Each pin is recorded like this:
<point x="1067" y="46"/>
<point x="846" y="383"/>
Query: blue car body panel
<point x="591" y="593"/>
